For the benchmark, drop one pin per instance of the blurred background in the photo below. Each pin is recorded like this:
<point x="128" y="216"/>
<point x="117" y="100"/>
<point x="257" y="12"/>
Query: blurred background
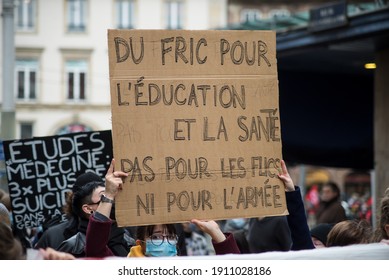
<point x="333" y="68"/>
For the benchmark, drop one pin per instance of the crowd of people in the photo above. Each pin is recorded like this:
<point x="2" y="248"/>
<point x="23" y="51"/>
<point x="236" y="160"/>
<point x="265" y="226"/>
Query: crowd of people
<point x="91" y="231"/>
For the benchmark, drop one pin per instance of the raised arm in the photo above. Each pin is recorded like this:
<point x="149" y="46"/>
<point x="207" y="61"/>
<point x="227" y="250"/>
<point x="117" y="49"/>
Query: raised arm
<point x="297" y="219"/>
<point x="99" y="226"/>
<point x="223" y="243"/>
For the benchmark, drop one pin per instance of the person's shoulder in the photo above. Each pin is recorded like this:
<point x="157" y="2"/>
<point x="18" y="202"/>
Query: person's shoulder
<point x="58" y="227"/>
<point x="338" y="205"/>
<point x="274" y="220"/>
<point x="74" y="245"/>
<point x="53" y="236"/>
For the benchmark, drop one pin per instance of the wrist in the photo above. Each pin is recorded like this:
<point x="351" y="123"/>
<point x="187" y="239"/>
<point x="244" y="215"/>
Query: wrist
<point x="107" y="198"/>
<point x="110" y="195"/>
<point x="218" y="236"/>
<point x="289" y="187"/>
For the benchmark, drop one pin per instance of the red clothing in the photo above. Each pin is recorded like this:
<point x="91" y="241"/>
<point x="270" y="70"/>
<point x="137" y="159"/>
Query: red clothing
<point x="97" y="236"/>
<point x="228" y="246"/>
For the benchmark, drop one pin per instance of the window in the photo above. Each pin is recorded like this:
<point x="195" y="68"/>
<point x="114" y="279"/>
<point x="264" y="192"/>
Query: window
<point x="73" y="128"/>
<point x="174" y="14"/>
<point x="25" y="15"/>
<point x="76" y="79"/>
<point x="76" y="15"/>
<point x="249" y="15"/>
<point x="26" y="130"/>
<point x="26" y="79"/>
<point x="125" y="14"/>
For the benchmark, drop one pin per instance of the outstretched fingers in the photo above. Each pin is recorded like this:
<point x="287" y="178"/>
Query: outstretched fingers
<point x="285" y="177"/>
<point x="283" y="167"/>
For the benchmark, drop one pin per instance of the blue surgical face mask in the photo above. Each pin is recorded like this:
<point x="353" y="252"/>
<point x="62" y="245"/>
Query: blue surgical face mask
<point x="164" y="250"/>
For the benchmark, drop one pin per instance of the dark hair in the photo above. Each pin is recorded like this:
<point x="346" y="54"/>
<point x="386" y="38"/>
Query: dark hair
<point x="83" y="196"/>
<point x="349" y="232"/>
<point x="10" y="247"/>
<point x="81" y="181"/>
<point x="334" y="187"/>
<point x="143" y="231"/>
<point x="321" y="231"/>
<point x="380" y="232"/>
<point x="71" y="214"/>
<point x="85" y="178"/>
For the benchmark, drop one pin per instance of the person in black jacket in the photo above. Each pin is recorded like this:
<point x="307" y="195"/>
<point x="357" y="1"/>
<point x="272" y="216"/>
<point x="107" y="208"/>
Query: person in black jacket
<point x="296" y="221"/>
<point x="267" y="234"/>
<point x="84" y="202"/>
<point x="54" y="235"/>
<point x="70" y="235"/>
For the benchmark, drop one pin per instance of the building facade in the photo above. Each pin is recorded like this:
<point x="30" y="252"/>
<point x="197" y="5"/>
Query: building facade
<point x="61" y="79"/>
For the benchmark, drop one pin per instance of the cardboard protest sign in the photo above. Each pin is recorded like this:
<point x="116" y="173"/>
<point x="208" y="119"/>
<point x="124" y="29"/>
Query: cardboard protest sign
<point x="195" y="123"/>
<point x="42" y="170"/>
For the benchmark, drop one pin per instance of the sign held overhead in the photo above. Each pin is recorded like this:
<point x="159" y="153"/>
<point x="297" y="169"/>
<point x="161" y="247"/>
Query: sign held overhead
<point x="195" y="124"/>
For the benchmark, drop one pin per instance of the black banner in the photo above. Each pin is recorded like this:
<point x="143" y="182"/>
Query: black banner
<point x="42" y="170"/>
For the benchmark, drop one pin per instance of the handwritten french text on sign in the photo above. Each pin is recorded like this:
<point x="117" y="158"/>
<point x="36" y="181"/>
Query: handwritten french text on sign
<point x="195" y="123"/>
<point x="42" y="170"/>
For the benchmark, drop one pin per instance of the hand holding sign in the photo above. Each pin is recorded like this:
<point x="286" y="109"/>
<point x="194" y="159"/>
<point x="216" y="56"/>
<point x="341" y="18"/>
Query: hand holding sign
<point x="113" y="184"/>
<point x="199" y="135"/>
<point x="210" y="227"/>
<point x="285" y="177"/>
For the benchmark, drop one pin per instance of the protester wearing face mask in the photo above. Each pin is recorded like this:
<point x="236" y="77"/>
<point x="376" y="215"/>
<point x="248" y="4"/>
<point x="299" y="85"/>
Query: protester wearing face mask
<point x="153" y="240"/>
